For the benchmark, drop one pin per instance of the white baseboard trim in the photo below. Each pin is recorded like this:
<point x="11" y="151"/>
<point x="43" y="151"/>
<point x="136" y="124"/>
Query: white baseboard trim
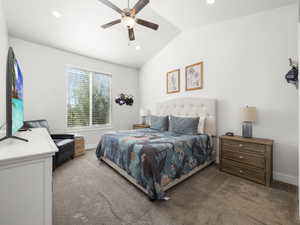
<point x="285" y="178"/>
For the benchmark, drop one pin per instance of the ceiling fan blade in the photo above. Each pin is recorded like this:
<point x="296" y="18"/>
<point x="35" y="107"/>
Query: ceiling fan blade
<point x="131" y="34"/>
<point x="107" y="25"/>
<point x="111" y="5"/>
<point x="139" y="6"/>
<point x="147" y="24"/>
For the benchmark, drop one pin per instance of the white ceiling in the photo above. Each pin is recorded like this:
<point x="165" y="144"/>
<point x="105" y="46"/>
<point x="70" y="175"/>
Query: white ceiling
<point x="195" y="13"/>
<point x="78" y="30"/>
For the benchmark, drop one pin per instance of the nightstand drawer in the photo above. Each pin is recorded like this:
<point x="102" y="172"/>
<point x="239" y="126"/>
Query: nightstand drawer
<point x="250" y="159"/>
<point x="241" y="170"/>
<point x="238" y="146"/>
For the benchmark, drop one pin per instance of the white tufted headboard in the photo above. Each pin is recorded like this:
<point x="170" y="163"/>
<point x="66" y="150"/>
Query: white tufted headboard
<point x="191" y="106"/>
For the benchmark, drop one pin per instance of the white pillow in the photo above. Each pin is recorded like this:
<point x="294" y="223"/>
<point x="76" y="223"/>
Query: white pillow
<point x="201" y="125"/>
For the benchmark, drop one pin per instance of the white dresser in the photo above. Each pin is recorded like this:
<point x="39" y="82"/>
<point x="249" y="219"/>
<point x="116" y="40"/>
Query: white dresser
<point x="26" y="179"/>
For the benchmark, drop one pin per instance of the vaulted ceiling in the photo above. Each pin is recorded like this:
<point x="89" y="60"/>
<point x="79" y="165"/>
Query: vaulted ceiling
<point x="78" y="29"/>
<point x="194" y="13"/>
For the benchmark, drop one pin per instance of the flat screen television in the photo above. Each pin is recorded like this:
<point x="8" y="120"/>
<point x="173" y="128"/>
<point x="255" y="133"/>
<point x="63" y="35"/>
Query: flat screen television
<point x="14" y="97"/>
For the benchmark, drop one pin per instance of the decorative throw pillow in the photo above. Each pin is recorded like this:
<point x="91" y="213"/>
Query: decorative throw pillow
<point x="201" y="125"/>
<point x="184" y="125"/>
<point x="160" y="123"/>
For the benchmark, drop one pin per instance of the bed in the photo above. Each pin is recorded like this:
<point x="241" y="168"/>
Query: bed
<point x="154" y="161"/>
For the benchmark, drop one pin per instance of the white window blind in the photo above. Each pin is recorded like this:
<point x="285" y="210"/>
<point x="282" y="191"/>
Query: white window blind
<point x="89" y="98"/>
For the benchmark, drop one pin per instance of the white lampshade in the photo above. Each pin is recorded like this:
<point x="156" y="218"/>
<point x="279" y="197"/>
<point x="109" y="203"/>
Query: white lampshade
<point x="144" y="112"/>
<point x="248" y="114"/>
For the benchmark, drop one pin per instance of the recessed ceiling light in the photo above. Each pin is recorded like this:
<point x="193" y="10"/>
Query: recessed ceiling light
<point x="210" y="2"/>
<point x="138" y="47"/>
<point x="56" y="14"/>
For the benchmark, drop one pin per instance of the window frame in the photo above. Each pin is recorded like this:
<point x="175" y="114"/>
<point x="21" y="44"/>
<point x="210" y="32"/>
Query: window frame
<point x="90" y="127"/>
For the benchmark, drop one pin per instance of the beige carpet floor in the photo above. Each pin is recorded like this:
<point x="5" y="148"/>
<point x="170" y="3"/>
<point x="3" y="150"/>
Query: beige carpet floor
<point x="87" y="192"/>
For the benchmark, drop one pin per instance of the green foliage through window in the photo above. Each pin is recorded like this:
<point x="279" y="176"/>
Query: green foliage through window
<point x="89" y="98"/>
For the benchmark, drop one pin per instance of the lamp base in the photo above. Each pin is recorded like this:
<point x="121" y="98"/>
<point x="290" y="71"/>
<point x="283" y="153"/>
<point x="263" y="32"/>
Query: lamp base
<point x="247" y="129"/>
<point x="144" y="120"/>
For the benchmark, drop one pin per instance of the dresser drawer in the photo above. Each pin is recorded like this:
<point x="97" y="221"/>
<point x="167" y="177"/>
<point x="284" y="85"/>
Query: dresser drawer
<point x="250" y="159"/>
<point x="244" y="147"/>
<point x="235" y="168"/>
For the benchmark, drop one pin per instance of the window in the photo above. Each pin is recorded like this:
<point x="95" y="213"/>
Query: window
<point x="89" y="98"/>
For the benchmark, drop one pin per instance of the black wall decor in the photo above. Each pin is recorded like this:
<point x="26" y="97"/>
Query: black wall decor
<point x="123" y="99"/>
<point x="292" y="76"/>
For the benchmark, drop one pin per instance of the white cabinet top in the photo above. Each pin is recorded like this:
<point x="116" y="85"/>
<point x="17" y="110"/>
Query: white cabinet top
<point x="39" y="144"/>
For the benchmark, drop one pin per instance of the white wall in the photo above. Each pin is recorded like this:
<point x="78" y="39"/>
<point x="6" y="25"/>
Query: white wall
<point x="45" y="86"/>
<point x="245" y="61"/>
<point x="3" y="55"/>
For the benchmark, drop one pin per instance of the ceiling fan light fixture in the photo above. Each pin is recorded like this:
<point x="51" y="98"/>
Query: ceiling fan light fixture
<point x="210" y="2"/>
<point x="128" y="21"/>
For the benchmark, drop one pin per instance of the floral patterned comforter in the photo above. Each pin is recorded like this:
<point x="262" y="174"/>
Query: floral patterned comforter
<point x="153" y="158"/>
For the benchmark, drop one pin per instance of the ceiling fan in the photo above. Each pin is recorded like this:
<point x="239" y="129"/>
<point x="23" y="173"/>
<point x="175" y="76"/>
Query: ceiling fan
<point x="128" y="17"/>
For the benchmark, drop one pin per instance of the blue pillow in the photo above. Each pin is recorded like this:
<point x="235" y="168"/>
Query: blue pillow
<point x="160" y="123"/>
<point x="184" y="125"/>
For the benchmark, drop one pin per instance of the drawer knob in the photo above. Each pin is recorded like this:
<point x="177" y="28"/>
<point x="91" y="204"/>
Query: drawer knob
<point x="241" y="145"/>
<point x="241" y="171"/>
<point x="241" y="157"/>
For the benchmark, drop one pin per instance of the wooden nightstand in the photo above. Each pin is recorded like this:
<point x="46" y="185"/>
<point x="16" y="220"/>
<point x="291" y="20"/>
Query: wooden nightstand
<point x="250" y="158"/>
<point x="140" y="126"/>
<point x="79" y="145"/>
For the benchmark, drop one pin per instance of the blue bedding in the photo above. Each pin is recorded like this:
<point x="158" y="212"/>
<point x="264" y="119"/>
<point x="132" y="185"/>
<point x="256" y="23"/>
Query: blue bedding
<point x="154" y="159"/>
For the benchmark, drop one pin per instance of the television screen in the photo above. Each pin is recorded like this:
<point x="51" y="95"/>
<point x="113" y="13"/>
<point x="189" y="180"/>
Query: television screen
<point x="17" y="98"/>
<point x="14" y="97"/>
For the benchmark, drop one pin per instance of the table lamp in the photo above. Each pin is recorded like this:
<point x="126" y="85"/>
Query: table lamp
<point x="248" y="114"/>
<point x="144" y="113"/>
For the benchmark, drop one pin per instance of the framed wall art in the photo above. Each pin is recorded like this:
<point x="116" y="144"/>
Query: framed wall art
<point x="194" y="77"/>
<point x="173" y="81"/>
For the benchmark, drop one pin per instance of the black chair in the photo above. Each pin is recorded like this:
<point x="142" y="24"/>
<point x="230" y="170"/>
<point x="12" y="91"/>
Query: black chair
<point x="64" y="142"/>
